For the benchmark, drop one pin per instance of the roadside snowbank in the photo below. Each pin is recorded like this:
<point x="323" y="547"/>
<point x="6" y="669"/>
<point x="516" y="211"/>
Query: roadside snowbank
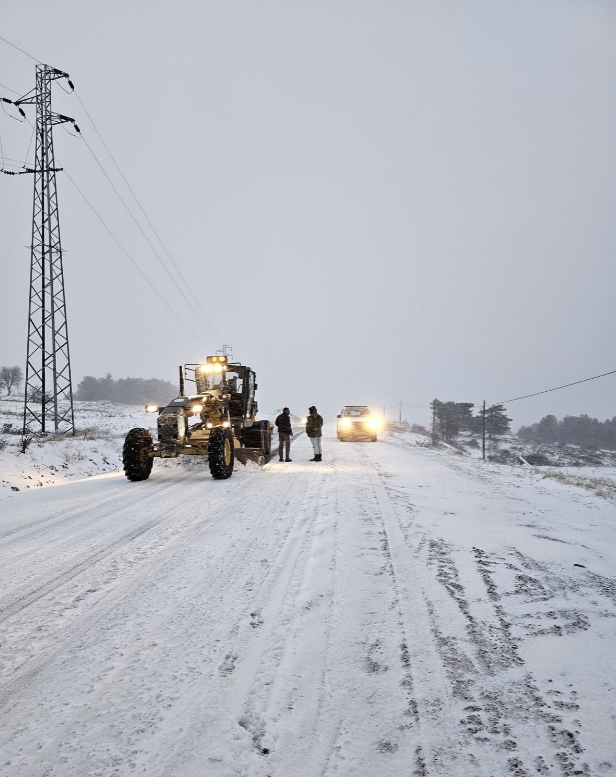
<point x="95" y="450"/>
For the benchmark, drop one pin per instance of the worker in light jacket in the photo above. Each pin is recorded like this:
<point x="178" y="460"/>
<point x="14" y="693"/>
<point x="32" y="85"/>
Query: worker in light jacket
<point x="314" y="426"/>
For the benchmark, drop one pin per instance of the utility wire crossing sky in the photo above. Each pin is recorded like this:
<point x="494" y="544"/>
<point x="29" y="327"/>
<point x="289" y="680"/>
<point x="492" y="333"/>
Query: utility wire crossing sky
<point x="426" y="204"/>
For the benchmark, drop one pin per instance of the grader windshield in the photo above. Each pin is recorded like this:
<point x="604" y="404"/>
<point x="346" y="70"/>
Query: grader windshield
<point x="208" y="381"/>
<point x="212" y="375"/>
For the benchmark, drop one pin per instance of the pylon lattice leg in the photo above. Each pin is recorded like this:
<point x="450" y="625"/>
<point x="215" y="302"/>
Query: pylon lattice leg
<point x="49" y="397"/>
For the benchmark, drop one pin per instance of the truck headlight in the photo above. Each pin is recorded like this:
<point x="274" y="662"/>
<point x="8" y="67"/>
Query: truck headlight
<point x="345" y="423"/>
<point x="374" y="423"/>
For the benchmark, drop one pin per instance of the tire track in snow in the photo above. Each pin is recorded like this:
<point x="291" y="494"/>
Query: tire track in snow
<point x="290" y="705"/>
<point x="30" y="667"/>
<point x="60" y="516"/>
<point x="194" y="602"/>
<point x="298" y="715"/>
<point x="27" y="593"/>
<point x="426" y="686"/>
<point x="133" y="694"/>
<point x="505" y="714"/>
<point x="57" y="555"/>
<point x="19" y="600"/>
<point x="229" y="719"/>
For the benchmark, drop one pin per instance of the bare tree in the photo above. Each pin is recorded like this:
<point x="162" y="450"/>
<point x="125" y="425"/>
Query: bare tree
<point x="10" y="378"/>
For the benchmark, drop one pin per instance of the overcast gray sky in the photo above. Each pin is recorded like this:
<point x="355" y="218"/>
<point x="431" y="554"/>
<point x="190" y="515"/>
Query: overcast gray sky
<point x="373" y="201"/>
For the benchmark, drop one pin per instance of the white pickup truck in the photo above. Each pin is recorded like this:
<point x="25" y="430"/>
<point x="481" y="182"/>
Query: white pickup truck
<point x="356" y="422"/>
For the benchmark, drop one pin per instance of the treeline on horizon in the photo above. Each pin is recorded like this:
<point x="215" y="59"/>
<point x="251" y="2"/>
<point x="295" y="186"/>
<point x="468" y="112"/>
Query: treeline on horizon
<point x="572" y="430"/>
<point x="126" y="391"/>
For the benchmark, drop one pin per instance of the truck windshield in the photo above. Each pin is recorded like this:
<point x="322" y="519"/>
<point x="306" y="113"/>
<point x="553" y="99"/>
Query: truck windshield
<point x="356" y="411"/>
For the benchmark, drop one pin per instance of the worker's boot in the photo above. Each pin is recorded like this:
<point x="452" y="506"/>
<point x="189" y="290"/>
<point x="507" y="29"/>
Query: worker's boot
<point x="315" y="457"/>
<point x="318" y="457"/>
<point x="288" y="459"/>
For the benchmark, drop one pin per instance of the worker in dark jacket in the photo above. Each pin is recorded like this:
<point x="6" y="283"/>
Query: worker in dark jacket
<point x="285" y="432"/>
<point x="314" y="426"/>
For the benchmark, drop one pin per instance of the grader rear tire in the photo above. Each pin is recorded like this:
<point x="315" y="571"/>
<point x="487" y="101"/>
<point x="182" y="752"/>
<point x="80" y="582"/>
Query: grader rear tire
<point x="136" y="455"/>
<point x="221" y="453"/>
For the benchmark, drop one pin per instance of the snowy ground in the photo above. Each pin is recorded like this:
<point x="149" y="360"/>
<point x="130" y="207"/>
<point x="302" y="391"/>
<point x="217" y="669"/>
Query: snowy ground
<point x="392" y="611"/>
<point x="96" y="448"/>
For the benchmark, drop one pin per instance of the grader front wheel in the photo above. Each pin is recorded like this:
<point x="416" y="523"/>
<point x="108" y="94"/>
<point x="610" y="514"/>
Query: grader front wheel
<point x="136" y="455"/>
<point x="221" y="453"/>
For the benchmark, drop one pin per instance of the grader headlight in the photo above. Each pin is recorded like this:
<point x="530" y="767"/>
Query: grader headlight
<point x="197" y="408"/>
<point x="151" y="408"/>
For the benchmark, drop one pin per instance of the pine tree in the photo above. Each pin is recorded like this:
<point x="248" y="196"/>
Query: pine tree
<point x="451" y="418"/>
<point x="497" y="422"/>
<point x="547" y="429"/>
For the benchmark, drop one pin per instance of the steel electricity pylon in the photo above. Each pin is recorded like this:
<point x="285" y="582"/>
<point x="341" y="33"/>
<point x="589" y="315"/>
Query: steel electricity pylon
<point x="49" y="396"/>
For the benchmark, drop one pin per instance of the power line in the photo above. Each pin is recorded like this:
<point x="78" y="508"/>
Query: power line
<point x="22" y="51"/>
<point x="9" y="88"/>
<point x="547" y="391"/>
<point x="203" y="318"/>
<point x="10" y="159"/>
<point x="99" y="217"/>
<point x="139" y="227"/>
<point x="124" y="249"/>
<point x="213" y="328"/>
<point x="405" y="405"/>
<point x="30" y="144"/>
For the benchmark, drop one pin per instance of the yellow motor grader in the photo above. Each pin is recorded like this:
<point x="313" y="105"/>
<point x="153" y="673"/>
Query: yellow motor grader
<point x="218" y="420"/>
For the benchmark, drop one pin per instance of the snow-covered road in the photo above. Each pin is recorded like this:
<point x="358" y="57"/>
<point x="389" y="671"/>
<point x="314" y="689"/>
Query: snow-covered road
<point x="392" y="611"/>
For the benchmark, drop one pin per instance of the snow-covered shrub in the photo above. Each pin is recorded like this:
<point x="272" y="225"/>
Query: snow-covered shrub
<point x="603" y="487"/>
<point x="71" y="454"/>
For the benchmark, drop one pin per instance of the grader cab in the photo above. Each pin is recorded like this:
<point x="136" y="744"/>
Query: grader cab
<point x="218" y="420"/>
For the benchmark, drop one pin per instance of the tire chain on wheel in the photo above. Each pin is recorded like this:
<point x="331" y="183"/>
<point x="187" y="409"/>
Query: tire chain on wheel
<point x="137" y="465"/>
<point x="216" y="453"/>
